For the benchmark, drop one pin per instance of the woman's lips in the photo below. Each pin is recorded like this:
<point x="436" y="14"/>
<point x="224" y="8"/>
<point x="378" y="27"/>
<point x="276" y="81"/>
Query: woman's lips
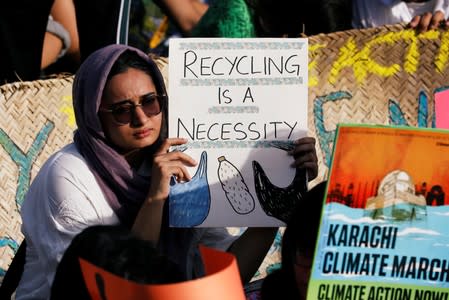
<point x="142" y="133"/>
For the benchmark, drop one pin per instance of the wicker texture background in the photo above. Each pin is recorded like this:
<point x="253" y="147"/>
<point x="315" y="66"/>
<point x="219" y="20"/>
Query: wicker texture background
<point x="36" y="119"/>
<point x="386" y="75"/>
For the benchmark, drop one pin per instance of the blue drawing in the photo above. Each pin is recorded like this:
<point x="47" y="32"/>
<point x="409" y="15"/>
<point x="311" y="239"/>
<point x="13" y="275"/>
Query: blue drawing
<point x="25" y="160"/>
<point x="189" y="202"/>
<point x="283" y="145"/>
<point x="326" y="137"/>
<point x="273" y="267"/>
<point x="8" y="242"/>
<point x="277" y="243"/>
<point x="396" y="117"/>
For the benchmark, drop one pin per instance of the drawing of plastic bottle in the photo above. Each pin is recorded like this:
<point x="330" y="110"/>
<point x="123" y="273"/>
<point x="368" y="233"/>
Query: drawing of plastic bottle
<point x="235" y="188"/>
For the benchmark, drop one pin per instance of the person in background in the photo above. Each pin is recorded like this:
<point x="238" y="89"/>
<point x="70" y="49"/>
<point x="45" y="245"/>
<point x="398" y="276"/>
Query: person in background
<point x="61" y="42"/>
<point x="22" y="28"/>
<point x="297" y="250"/>
<point x="35" y="36"/>
<point x="257" y="18"/>
<point x="118" y="171"/>
<point x="185" y="14"/>
<point x="137" y="37"/>
<point x="421" y="15"/>
<point x="117" y="250"/>
<point x="271" y="18"/>
<point x="100" y="23"/>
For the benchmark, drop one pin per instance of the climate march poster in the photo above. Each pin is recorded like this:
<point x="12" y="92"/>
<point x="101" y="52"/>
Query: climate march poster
<point x="383" y="232"/>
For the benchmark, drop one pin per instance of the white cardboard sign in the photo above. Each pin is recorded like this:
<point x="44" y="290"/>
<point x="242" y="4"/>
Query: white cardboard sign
<point x="240" y="103"/>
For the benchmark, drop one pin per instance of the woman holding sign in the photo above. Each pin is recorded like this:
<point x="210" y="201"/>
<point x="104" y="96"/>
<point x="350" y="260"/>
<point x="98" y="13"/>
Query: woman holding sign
<point x="118" y="171"/>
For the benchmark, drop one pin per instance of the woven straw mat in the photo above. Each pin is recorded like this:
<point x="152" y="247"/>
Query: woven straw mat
<point x="385" y="75"/>
<point x="36" y="119"/>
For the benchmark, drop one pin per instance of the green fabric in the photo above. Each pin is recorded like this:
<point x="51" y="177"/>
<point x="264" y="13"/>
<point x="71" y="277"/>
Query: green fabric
<point x="226" y="18"/>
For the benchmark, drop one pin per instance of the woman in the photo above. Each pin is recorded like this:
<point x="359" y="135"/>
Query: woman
<point x="272" y="18"/>
<point x="421" y="15"/>
<point x="61" y="39"/>
<point x="118" y="171"/>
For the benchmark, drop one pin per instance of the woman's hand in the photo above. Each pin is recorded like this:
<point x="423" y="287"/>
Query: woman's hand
<point x="305" y="156"/>
<point x="167" y="164"/>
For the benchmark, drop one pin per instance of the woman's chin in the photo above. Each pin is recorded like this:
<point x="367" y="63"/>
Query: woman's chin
<point x="141" y="143"/>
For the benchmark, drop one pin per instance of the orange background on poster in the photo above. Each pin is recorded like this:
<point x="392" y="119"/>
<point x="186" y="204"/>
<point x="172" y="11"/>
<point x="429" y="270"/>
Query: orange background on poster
<point x="365" y="155"/>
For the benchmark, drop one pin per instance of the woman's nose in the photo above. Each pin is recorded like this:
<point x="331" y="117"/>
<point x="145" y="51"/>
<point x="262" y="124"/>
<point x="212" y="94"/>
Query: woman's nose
<point x="139" y="117"/>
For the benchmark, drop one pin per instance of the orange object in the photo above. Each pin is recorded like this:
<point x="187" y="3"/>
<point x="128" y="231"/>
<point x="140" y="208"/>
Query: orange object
<point x="222" y="282"/>
<point x="159" y="34"/>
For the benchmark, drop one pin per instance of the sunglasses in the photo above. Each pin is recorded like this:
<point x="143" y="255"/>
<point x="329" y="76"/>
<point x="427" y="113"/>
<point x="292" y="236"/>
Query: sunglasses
<point x="124" y="112"/>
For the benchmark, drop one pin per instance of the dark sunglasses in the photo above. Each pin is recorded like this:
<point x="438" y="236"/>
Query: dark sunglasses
<point x="124" y="112"/>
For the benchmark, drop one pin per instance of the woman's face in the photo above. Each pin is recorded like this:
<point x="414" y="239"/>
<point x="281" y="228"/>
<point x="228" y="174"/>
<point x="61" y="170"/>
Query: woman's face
<point x="142" y="130"/>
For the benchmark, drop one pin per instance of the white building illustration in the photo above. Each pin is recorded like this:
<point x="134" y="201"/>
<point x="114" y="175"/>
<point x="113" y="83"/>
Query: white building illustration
<point x="396" y="199"/>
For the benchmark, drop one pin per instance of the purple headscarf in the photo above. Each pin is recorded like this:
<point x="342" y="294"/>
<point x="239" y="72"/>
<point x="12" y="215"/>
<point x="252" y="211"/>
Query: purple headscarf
<point x="123" y="187"/>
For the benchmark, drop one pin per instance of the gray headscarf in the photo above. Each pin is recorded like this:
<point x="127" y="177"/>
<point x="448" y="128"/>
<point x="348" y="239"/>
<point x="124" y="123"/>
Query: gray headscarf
<point x="123" y="187"/>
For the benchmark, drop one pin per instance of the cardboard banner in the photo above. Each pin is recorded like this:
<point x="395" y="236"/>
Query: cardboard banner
<point x="222" y="282"/>
<point x="387" y="75"/>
